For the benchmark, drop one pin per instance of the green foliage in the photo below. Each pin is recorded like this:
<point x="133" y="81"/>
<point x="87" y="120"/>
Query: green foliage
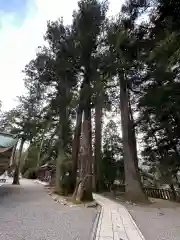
<point x="112" y="159"/>
<point x="85" y="64"/>
<point x="30" y="160"/>
<point x="166" y="30"/>
<point x="159" y="103"/>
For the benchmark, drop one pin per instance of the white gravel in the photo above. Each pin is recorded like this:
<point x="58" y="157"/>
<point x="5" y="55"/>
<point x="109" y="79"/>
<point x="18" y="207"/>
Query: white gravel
<point x="157" y="223"/>
<point x="27" y="212"/>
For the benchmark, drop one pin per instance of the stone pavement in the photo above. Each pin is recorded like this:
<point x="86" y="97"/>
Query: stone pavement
<point x="115" y="222"/>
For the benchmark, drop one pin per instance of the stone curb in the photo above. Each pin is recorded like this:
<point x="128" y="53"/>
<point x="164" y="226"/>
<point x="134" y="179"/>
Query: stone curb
<point x="95" y="224"/>
<point x="96" y="220"/>
<point x="40" y="182"/>
<point x="138" y="230"/>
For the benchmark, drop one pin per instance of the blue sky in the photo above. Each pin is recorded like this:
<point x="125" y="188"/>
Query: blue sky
<point x="14" y="8"/>
<point x="13" y="5"/>
<point x="22" y="26"/>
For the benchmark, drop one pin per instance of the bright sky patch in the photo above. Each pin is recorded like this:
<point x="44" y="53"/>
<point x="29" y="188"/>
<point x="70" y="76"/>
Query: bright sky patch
<point x="22" y="25"/>
<point x="14" y="10"/>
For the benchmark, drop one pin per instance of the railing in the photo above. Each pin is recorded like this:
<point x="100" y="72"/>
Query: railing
<point x="166" y="194"/>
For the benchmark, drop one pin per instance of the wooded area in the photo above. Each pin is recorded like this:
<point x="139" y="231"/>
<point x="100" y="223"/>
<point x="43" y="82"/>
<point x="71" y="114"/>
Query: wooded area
<point x="90" y="71"/>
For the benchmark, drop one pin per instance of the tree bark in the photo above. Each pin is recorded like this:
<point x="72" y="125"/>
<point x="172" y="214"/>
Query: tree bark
<point x="13" y="156"/>
<point x="84" y="188"/>
<point x="76" y="143"/>
<point x="97" y="146"/>
<point x="173" y="191"/>
<point x="18" y="164"/>
<point x="84" y="191"/>
<point x="62" y="148"/>
<point x="60" y="159"/>
<point x="134" y="190"/>
<point x="133" y="136"/>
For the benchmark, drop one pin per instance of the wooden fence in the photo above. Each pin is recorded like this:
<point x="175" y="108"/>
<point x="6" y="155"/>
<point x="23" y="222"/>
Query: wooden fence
<point x="166" y="194"/>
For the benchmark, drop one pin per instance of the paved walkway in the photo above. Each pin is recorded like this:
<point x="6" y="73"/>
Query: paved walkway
<point x="115" y="222"/>
<point x="27" y="212"/>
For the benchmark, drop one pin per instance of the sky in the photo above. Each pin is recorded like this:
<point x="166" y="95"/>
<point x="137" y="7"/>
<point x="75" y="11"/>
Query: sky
<point x="22" y="26"/>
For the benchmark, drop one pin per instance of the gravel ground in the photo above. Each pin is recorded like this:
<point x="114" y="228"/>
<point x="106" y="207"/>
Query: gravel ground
<point x="27" y="212"/>
<point x="157" y="223"/>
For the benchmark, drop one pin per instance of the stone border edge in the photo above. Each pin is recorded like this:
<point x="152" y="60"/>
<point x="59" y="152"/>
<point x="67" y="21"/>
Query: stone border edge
<point x="137" y="228"/>
<point x="96" y="220"/>
<point x="95" y="224"/>
<point x="40" y="182"/>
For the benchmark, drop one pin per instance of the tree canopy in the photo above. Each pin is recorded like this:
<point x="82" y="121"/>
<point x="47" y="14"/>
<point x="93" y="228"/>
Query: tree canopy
<point x="127" y="66"/>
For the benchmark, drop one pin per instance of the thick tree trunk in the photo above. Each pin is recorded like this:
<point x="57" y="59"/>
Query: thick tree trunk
<point x="13" y="156"/>
<point x="18" y="164"/>
<point x="60" y="159"/>
<point x="62" y="149"/>
<point x="76" y="143"/>
<point x="173" y="191"/>
<point x="63" y="138"/>
<point x="133" y="136"/>
<point x="84" y="188"/>
<point x="134" y="190"/>
<point x="97" y="145"/>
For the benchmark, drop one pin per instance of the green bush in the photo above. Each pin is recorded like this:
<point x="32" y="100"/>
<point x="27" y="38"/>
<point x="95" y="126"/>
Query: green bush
<point x="31" y="173"/>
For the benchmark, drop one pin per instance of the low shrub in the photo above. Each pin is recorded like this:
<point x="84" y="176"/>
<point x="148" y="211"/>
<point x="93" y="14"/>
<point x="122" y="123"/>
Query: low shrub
<point x="31" y="173"/>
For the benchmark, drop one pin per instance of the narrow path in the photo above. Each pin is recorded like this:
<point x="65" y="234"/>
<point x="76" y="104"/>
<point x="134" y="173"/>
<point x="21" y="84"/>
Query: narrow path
<point x="27" y="212"/>
<point x="157" y="221"/>
<point x="115" y="223"/>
